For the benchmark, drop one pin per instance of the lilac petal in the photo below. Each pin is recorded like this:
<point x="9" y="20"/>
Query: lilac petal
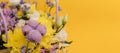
<point x="2" y="29"/>
<point x="6" y="11"/>
<point x="5" y="25"/>
<point x="32" y="23"/>
<point x="50" y="4"/>
<point x="2" y="4"/>
<point x="41" y="29"/>
<point x="55" y="46"/>
<point x="47" y="0"/>
<point x="34" y="36"/>
<point x="22" y="2"/>
<point x="42" y="50"/>
<point x="59" y="8"/>
<point x="22" y="49"/>
<point x="26" y="29"/>
<point x="52" y="51"/>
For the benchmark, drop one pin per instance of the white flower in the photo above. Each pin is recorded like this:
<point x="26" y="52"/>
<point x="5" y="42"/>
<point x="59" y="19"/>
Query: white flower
<point x="15" y="2"/>
<point x="21" y="23"/>
<point x="61" y="36"/>
<point x="34" y="16"/>
<point x="63" y="45"/>
<point x="25" y="6"/>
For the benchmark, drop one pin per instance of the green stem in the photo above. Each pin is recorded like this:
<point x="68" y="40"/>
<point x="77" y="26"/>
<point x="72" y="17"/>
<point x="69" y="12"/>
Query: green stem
<point x="27" y="47"/>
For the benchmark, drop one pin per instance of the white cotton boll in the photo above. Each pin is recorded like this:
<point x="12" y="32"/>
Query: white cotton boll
<point x="34" y="16"/>
<point x="61" y="36"/>
<point x="15" y="2"/>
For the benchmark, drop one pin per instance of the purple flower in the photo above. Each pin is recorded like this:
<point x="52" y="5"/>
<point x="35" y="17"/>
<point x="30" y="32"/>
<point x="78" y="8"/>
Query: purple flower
<point x="41" y="29"/>
<point x="2" y="4"/>
<point x="42" y="50"/>
<point x="59" y="8"/>
<point x="34" y="36"/>
<point x="50" y="4"/>
<point x="22" y="49"/>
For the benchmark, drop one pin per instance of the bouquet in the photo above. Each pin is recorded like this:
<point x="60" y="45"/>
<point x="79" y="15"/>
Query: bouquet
<point x="26" y="29"/>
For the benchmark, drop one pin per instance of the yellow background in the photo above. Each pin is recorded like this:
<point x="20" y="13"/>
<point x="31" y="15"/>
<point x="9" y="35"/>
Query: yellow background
<point x="93" y="25"/>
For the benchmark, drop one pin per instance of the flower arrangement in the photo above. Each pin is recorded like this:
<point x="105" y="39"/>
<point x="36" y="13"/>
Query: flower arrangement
<point x="25" y="29"/>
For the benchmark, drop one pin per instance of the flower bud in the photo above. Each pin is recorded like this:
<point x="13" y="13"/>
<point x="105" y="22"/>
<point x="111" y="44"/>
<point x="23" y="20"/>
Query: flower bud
<point x="65" y="18"/>
<point x="59" y="22"/>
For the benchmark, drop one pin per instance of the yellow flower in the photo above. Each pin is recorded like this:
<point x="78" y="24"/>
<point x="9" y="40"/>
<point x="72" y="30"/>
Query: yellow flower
<point x="48" y="24"/>
<point x="15" y="50"/>
<point x="32" y="8"/>
<point x="16" y="39"/>
<point x="46" y="40"/>
<point x="37" y="50"/>
<point x="20" y="13"/>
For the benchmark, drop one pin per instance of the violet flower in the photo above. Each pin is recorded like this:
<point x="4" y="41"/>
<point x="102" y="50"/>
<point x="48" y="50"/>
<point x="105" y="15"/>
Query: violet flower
<point x="50" y="4"/>
<point x="5" y="25"/>
<point x="2" y="4"/>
